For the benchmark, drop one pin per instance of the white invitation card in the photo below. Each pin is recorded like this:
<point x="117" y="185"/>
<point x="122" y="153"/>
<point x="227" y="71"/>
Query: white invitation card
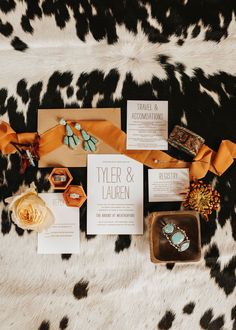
<point x="166" y="185"/>
<point x="114" y="195"/>
<point x="147" y="125"/>
<point x="64" y="235"/>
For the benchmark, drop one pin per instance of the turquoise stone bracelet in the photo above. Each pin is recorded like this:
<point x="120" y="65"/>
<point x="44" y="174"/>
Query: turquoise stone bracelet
<point x="176" y="237"/>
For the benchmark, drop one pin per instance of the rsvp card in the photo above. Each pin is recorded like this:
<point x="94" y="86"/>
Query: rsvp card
<point x="166" y="185"/>
<point x="147" y="125"/>
<point x="114" y="195"/>
<point x="64" y="235"/>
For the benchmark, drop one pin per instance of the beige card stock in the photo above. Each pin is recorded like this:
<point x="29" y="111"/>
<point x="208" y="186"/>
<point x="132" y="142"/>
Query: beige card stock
<point x="167" y="184"/>
<point x="64" y="235"/>
<point x="115" y="195"/>
<point x="64" y="156"/>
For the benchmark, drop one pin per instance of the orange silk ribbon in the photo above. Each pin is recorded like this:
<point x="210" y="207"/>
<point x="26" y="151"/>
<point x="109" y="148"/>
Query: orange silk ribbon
<point x="206" y="159"/>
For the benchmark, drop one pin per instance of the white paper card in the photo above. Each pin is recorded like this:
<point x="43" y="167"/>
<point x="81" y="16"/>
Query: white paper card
<point x="166" y="185"/>
<point x="115" y="195"/>
<point x="64" y="235"/>
<point x="147" y="125"/>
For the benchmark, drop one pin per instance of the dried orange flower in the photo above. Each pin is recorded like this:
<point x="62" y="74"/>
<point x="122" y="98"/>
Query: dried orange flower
<point x="202" y="198"/>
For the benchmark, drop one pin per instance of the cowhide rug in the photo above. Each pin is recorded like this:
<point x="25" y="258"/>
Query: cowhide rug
<point x="90" y="53"/>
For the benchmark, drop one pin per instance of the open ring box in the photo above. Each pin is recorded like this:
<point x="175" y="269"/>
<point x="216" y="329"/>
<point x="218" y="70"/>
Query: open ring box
<point x="161" y="250"/>
<point x="60" y="171"/>
<point x="77" y="190"/>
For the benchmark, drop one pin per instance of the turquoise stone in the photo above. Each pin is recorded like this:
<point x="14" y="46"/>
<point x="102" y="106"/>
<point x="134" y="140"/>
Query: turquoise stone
<point x="91" y="145"/>
<point x="66" y="140"/>
<point x="168" y="229"/>
<point x="86" y="146"/>
<point x="72" y="144"/>
<point x="30" y="158"/>
<point x="77" y="126"/>
<point x="76" y="139"/>
<point x="62" y="122"/>
<point x="184" y="246"/>
<point x="69" y="131"/>
<point x="177" y="238"/>
<point x="92" y="138"/>
<point x="85" y="136"/>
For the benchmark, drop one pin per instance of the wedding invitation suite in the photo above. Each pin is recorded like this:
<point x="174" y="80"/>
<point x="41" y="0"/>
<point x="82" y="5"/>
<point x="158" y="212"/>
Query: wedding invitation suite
<point x="114" y="195"/>
<point x="166" y="185"/>
<point x="64" y="235"/>
<point x="147" y="125"/>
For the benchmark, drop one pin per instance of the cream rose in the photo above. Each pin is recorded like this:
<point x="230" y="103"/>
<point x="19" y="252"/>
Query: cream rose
<point x="29" y="211"/>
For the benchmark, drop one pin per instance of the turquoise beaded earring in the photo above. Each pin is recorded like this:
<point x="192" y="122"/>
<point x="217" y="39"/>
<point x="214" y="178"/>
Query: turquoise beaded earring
<point x="70" y="139"/>
<point x="89" y="143"/>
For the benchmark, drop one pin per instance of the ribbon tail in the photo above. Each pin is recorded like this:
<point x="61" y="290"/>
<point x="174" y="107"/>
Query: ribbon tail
<point x="224" y="157"/>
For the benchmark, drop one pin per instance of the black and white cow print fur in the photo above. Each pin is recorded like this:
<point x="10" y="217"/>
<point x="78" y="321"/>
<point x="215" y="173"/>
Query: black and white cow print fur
<point x="90" y="53"/>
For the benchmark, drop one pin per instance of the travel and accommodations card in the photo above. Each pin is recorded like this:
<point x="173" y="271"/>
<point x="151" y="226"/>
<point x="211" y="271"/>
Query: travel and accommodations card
<point x="64" y="156"/>
<point x="114" y="195"/>
<point x="166" y="185"/>
<point x="64" y="235"/>
<point x="147" y="125"/>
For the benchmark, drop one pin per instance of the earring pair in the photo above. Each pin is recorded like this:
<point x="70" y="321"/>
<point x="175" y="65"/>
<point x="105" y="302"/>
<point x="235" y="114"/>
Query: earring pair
<point x="72" y="140"/>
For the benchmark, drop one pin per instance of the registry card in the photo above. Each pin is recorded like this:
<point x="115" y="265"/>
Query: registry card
<point x="166" y="185"/>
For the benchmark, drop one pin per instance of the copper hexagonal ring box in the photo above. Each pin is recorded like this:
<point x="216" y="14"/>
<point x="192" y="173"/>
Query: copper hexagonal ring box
<point x="60" y="178"/>
<point x="74" y="196"/>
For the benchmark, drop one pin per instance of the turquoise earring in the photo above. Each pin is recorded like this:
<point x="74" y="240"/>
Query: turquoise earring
<point x="70" y="139"/>
<point x="89" y="143"/>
